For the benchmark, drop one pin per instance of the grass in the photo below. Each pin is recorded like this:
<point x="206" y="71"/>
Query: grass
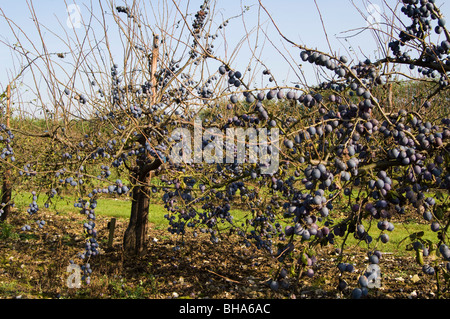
<point x="398" y="238"/>
<point x="155" y="277"/>
<point x="109" y="207"/>
<point x="120" y="208"/>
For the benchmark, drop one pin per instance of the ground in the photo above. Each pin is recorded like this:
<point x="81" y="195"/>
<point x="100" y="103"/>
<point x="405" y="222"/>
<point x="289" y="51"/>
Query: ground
<point x="34" y="265"/>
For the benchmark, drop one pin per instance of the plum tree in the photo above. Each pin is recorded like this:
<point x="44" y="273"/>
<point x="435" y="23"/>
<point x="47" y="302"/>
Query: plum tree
<point x="173" y="108"/>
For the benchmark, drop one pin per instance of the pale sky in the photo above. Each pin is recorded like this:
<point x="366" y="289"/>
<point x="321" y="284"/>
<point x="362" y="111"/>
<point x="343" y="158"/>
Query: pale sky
<point x="299" y="20"/>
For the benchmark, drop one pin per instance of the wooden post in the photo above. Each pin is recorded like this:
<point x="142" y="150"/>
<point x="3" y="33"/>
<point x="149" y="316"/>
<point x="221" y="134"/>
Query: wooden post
<point x="7" y="185"/>
<point x="8" y="101"/>
<point x="155" y="53"/>
<point x="111" y="227"/>
<point x="390" y="102"/>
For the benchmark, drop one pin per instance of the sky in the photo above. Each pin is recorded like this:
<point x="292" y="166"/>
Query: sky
<point x="334" y="26"/>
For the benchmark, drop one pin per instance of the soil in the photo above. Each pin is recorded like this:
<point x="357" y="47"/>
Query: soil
<point x="33" y="265"/>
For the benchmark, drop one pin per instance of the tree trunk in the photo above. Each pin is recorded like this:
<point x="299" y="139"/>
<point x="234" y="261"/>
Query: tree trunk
<point x="134" y="240"/>
<point x="6" y="195"/>
<point x="7" y="184"/>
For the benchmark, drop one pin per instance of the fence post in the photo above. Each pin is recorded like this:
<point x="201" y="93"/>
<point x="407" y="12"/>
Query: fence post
<point x="155" y="55"/>
<point x="111" y="227"/>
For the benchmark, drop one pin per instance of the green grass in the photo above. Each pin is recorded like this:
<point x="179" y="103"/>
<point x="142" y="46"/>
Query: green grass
<point x="398" y="238"/>
<point x="110" y="207"/>
<point x="121" y="207"/>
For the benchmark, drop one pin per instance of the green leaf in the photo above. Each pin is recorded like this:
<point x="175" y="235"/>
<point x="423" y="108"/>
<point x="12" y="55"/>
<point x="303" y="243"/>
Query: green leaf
<point x="439" y="195"/>
<point x="419" y="256"/>
<point x="439" y="212"/>
<point x="446" y="276"/>
<point x="292" y="270"/>
<point x="304" y="258"/>
<point x="412" y="237"/>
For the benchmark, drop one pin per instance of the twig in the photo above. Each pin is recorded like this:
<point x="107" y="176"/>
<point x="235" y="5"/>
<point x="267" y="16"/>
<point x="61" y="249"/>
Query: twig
<point x="226" y="278"/>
